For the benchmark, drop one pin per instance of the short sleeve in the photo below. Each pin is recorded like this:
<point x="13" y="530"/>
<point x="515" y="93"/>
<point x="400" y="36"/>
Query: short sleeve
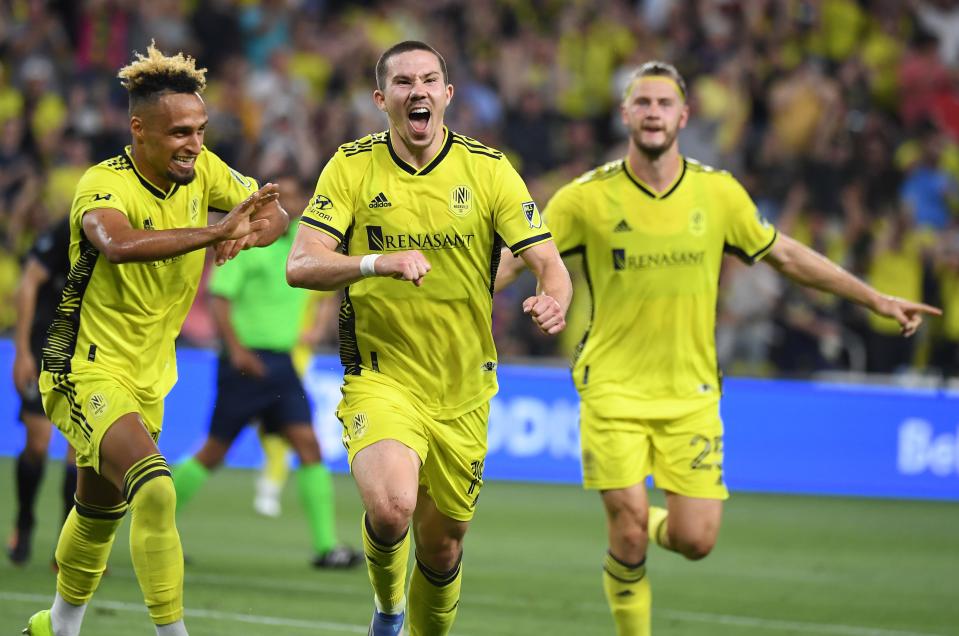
<point x="748" y="235"/>
<point x="227" y="186"/>
<point x="331" y="207"/>
<point x="563" y="213"/>
<point x="100" y="187"/>
<point x="226" y="279"/>
<point x="52" y="248"/>
<point x="515" y="215"/>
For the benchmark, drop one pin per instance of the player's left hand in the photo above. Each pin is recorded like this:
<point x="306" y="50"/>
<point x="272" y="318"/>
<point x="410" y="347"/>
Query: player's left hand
<point x="546" y="313"/>
<point x="908" y="314"/>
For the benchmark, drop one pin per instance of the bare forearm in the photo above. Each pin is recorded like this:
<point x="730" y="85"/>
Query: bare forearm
<point x="807" y="267"/>
<point x="554" y="282"/>
<point x="325" y="271"/>
<point x="220" y="309"/>
<point x="26" y="302"/>
<point x="140" y="246"/>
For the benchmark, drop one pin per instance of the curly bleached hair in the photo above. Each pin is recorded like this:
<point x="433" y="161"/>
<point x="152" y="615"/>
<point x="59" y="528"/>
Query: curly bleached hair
<point x="154" y="74"/>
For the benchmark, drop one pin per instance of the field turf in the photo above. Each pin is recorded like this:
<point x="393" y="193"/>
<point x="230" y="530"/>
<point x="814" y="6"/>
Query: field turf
<point x="784" y="565"/>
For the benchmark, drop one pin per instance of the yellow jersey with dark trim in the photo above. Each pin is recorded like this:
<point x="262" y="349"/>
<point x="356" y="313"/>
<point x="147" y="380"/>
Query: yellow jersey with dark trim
<point x="652" y="263"/>
<point x="122" y="319"/>
<point x="434" y="341"/>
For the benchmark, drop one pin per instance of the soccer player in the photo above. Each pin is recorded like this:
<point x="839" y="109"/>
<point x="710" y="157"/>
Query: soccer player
<point x="256" y="314"/>
<point x="44" y="274"/>
<point x="138" y="226"/>
<point x="422" y="204"/>
<point x="652" y="229"/>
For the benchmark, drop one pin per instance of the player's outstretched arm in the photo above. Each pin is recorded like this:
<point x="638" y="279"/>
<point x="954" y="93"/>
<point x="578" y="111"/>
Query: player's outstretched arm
<point x="554" y="290"/>
<point x="314" y="263"/>
<point x="111" y="233"/>
<point x="24" y="365"/>
<point x="808" y="267"/>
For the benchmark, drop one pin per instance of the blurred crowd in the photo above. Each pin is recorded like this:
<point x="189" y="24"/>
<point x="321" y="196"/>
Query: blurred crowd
<point x="841" y="117"/>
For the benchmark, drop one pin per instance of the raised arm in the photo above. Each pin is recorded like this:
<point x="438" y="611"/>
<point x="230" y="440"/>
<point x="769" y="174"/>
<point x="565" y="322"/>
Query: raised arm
<point x="314" y="263"/>
<point x="807" y="267"/>
<point x="111" y="233"/>
<point x="554" y="291"/>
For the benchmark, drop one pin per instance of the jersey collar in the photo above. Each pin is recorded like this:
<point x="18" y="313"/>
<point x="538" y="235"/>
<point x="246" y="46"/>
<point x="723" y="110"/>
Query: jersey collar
<point x="647" y="190"/>
<point x="447" y="144"/>
<point x="152" y="189"/>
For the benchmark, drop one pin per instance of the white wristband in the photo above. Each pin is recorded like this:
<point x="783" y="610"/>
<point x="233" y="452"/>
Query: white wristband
<point x="367" y="267"/>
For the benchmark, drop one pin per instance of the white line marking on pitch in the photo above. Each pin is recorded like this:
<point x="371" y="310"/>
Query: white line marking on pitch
<point x="694" y="617"/>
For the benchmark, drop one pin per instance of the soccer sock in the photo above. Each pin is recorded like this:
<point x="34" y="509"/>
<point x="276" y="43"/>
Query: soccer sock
<point x="83" y="549"/>
<point x="69" y="488"/>
<point x="276" y="463"/>
<point x="629" y="597"/>
<point x="29" y="474"/>
<point x="188" y="477"/>
<point x="154" y="542"/>
<point x="172" y="629"/>
<point x="66" y="618"/>
<point x="387" y="568"/>
<point x="434" y="598"/>
<point x="658" y="527"/>
<point x="316" y="494"/>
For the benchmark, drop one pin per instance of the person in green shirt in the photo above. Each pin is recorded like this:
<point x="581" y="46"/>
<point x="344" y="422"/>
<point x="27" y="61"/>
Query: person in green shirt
<point x="257" y="315"/>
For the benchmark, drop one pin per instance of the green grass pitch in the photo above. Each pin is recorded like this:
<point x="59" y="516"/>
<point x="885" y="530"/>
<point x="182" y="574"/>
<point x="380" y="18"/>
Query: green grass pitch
<point x="784" y="565"/>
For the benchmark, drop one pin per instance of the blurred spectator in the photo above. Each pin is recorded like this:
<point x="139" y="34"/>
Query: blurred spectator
<point x="832" y="112"/>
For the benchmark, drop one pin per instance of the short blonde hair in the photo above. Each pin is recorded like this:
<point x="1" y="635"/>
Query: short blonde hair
<point x="656" y="68"/>
<point x="153" y="74"/>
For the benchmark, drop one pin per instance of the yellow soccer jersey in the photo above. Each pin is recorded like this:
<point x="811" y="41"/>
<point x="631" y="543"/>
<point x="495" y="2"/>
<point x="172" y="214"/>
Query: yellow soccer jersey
<point x="123" y="318"/>
<point x="652" y="263"/>
<point x="459" y="210"/>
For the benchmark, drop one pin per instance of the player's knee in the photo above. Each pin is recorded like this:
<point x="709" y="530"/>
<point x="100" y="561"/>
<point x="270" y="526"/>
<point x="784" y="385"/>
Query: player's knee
<point x="390" y="516"/>
<point x="35" y="451"/>
<point x="149" y="489"/>
<point x="156" y="494"/>
<point x="696" y="546"/>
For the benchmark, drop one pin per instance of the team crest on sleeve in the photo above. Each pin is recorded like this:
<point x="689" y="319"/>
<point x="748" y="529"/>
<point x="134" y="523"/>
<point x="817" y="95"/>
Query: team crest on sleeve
<point x="531" y="212"/>
<point x="461" y="200"/>
<point x="697" y="222"/>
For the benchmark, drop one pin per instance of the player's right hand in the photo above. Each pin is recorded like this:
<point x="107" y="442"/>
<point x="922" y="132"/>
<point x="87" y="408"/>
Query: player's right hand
<point x="238" y="224"/>
<point x="247" y="362"/>
<point x="24" y="372"/>
<point x="410" y="265"/>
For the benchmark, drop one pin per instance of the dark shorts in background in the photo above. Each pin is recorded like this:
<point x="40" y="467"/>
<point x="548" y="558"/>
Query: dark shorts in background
<point x="277" y="400"/>
<point x="31" y="404"/>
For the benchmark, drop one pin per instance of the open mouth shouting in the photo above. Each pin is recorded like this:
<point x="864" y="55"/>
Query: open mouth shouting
<point x="419" y="118"/>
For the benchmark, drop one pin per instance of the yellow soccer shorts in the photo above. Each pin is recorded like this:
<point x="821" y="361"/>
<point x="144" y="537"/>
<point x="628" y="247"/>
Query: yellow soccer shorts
<point x="85" y="405"/>
<point x="684" y="455"/>
<point x="451" y="452"/>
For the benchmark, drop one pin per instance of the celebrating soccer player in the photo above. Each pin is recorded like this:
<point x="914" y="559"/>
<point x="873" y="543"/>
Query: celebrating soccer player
<point x="138" y="226"/>
<point x="652" y="229"/>
<point x="422" y="204"/>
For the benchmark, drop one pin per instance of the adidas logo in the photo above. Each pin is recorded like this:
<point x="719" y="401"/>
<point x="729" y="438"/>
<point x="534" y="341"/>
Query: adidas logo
<point x="380" y="201"/>
<point x="622" y="226"/>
